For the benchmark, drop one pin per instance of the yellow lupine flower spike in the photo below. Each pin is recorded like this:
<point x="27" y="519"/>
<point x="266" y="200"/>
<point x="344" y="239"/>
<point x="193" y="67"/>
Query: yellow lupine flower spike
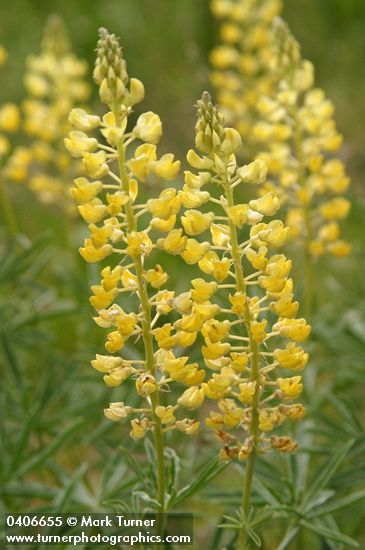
<point x="301" y="162"/>
<point x="55" y="82"/>
<point x="241" y="63"/>
<point x="122" y="233"/>
<point x="254" y="330"/>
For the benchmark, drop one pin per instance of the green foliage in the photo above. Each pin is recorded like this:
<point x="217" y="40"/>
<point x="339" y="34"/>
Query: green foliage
<point x="57" y="452"/>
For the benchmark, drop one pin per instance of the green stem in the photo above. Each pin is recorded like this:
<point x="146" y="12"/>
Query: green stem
<point x="148" y="343"/>
<point x="255" y="372"/>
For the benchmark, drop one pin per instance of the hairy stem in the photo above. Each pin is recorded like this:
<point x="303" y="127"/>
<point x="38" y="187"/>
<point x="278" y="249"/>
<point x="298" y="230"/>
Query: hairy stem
<point x="148" y="342"/>
<point x="254" y="426"/>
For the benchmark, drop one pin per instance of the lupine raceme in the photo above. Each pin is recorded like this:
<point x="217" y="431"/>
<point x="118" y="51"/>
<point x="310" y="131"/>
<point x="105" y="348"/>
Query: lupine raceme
<point x="298" y="140"/>
<point x="117" y="160"/>
<point x="291" y="127"/>
<point x="242" y="307"/>
<point x="55" y="83"/>
<point x="242" y="62"/>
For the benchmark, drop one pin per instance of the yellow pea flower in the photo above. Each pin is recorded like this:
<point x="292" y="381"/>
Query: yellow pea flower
<point x="117" y="376"/>
<point x="238" y="214"/>
<point x="268" y="204"/>
<point x="339" y="248"/>
<point x="117" y="411"/>
<point x="194" y="251"/>
<point x="146" y="384"/>
<point x="194" y="181"/>
<point x="212" y="265"/>
<point x="194" y="222"/>
<point x="206" y="310"/>
<point x="126" y="323"/>
<point x="139" y="428"/>
<point x="220" y="234"/>
<point x="294" y="329"/>
<point x="148" y="127"/>
<point x="143" y="161"/>
<point x="85" y="190"/>
<point x="163" y="336"/>
<point x="115" y="342"/>
<point x="164" y="225"/>
<point x="255" y="172"/>
<point x="92" y="254"/>
<point x="202" y="291"/>
<point x="190" y="323"/>
<point x="166" y="414"/>
<point x="258" y="259"/>
<point x="83" y="121"/>
<point x="188" y="426"/>
<point x="156" y="276"/>
<point x="239" y="362"/>
<point x="192" y="398"/>
<point x="79" y="143"/>
<point x="174" y="243"/>
<point x="247" y="391"/>
<point x="105" y="363"/>
<point x="258" y="330"/>
<point x="166" y="205"/>
<point x="215" y="350"/>
<point x="238" y="301"/>
<point x="94" y="164"/>
<point x="285" y="307"/>
<point x="291" y="387"/>
<point x="193" y="198"/>
<point x="292" y="358"/>
<point x="102" y="298"/>
<point x="139" y="244"/>
<point x="164" y="301"/>
<point x="166" y="167"/>
<point x="185" y="339"/>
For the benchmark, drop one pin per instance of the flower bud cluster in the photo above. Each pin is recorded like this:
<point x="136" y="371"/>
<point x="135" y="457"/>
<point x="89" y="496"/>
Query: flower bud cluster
<point x="298" y="140"/>
<point x="242" y="62"/>
<point x="127" y="233"/>
<point x="242" y="309"/>
<point x="55" y="82"/>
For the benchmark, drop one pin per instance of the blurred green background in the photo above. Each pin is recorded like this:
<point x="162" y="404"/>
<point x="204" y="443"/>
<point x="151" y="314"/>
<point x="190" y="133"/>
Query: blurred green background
<point x="167" y="43"/>
<point x="52" y="391"/>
